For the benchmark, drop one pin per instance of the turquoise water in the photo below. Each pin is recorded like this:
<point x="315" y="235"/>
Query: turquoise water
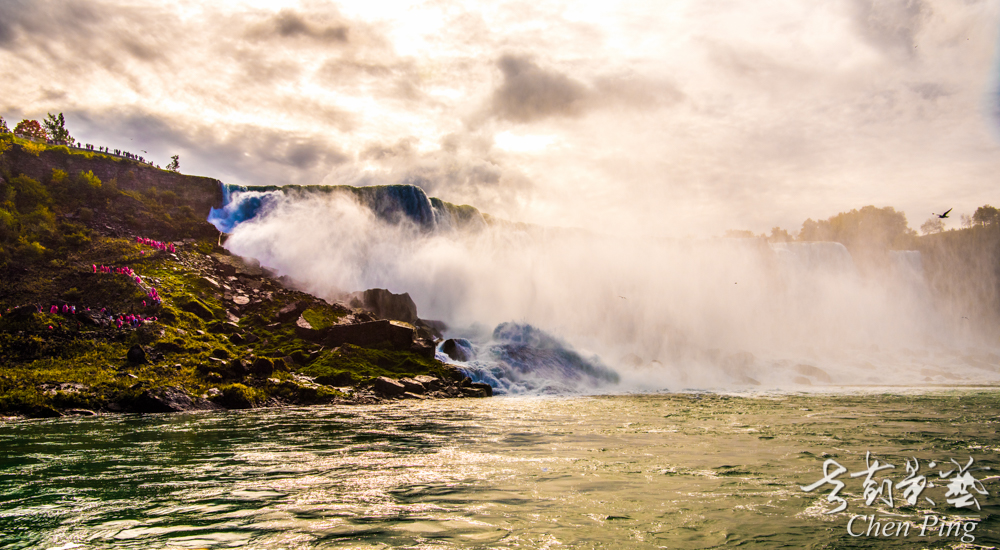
<point x="652" y="471"/>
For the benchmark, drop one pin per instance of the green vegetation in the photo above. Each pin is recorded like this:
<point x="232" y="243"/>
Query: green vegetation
<point x="72" y="211"/>
<point x="321" y="317"/>
<point x="370" y="363"/>
<point x="55" y="127"/>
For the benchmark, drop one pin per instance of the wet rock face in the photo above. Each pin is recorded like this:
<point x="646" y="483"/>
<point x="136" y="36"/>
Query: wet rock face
<point x="459" y="349"/>
<point x="486" y="389"/>
<point x="381" y="302"/>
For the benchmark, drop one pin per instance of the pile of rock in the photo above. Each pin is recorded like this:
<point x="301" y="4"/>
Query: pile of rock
<point x="428" y="387"/>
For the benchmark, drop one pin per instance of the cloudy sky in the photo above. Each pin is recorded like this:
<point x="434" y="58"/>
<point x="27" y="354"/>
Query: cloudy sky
<point x="663" y="118"/>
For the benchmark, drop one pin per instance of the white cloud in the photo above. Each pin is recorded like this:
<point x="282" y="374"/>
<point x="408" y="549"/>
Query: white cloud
<point x="667" y="118"/>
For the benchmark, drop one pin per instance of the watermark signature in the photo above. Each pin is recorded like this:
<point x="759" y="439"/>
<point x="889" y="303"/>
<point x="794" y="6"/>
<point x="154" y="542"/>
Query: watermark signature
<point x="962" y="491"/>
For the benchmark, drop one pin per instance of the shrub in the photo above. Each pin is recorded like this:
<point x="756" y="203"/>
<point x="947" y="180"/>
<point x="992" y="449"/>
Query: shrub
<point x="32" y="250"/>
<point x="59" y="176"/>
<point x="33" y="148"/>
<point x="8" y="226"/>
<point x="29" y="193"/>
<point x="77" y="240"/>
<point x="87" y="180"/>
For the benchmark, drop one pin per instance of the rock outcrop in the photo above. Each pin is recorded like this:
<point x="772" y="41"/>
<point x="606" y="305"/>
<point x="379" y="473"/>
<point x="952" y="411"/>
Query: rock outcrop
<point x="459" y="349"/>
<point x="169" y="399"/>
<point x="387" y="305"/>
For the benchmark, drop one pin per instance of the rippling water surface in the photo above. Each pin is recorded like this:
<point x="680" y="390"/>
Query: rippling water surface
<point x="654" y="471"/>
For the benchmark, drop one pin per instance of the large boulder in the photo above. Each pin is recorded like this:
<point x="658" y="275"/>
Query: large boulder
<point x="168" y="399"/>
<point x="262" y="367"/>
<point x="91" y="318"/>
<point x="136" y="355"/>
<point x="291" y="311"/>
<point x="387" y="386"/>
<point x="486" y="388"/>
<point x="235" y="265"/>
<point x="23" y="313"/>
<point x="423" y="348"/>
<point x="429" y="382"/>
<point x="459" y="349"/>
<point x="412" y="385"/>
<point x="473" y="392"/>
<point x="387" y="305"/>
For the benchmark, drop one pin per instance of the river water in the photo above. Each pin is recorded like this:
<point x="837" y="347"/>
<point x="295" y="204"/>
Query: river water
<point x="695" y="470"/>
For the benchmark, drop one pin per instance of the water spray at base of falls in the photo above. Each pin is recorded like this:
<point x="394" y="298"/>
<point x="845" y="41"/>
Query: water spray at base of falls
<point x="564" y="311"/>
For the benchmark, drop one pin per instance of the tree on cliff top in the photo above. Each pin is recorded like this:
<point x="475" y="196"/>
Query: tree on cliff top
<point x="3" y="126"/>
<point x="56" y="127"/>
<point x="881" y="227"/>
<point x="986" y="215"/>
<point x="932" y="225"/>
<point x="174" y="163"/>
<point x="30" y="128"/>
<point x="868" y="233"/>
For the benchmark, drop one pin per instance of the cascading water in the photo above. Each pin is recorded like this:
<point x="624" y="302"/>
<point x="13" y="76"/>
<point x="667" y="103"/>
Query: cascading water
<point x="546" y="310"/>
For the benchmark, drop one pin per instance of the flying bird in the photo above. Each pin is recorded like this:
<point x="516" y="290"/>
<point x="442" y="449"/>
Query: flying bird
<point x="943" y="216"/>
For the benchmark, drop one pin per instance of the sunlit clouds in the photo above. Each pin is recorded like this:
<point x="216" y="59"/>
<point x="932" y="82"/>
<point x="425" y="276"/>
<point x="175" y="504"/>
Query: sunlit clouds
<point x="659" y="118"/>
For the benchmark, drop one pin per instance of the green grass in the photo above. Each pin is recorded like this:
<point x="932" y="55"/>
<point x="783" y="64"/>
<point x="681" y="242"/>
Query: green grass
<point x="54" y="228"/>
<point x="322" y="316"/>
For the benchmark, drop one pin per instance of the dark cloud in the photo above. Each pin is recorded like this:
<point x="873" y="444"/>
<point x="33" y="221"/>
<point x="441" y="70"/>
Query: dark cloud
<point x="291" y="24"/>
<point x="11" y="14"/>
<point x="891" y="26"/>
<point x="247" y="154"/>
<point x="930" y="90"/>
<point x="401" y="149"/>
<point x="82" y="28"/>
<point x="378" y="73"/>
<point x="529" y="92"/>
<point x="636" y="92"/>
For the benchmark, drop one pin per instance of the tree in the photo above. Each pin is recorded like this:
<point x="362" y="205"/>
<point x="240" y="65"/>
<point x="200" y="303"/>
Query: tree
<point x="31" y="129"/>
<point x="932" y="225"/>
<point x="174" y="163"/>
<point x="868" y="227"/>
<point x="779" y="235"/>
<point x="3" y="126"/>
<point x="869" y="234"/>
<point x="56" y="127"/>
<point x="986" y="215"/>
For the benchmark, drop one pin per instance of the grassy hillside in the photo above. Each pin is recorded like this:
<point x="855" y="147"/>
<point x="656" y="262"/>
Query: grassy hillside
<point x="225" y="335"/>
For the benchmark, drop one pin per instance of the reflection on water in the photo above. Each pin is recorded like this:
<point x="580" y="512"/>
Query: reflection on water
<point x="655" y="471"/>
